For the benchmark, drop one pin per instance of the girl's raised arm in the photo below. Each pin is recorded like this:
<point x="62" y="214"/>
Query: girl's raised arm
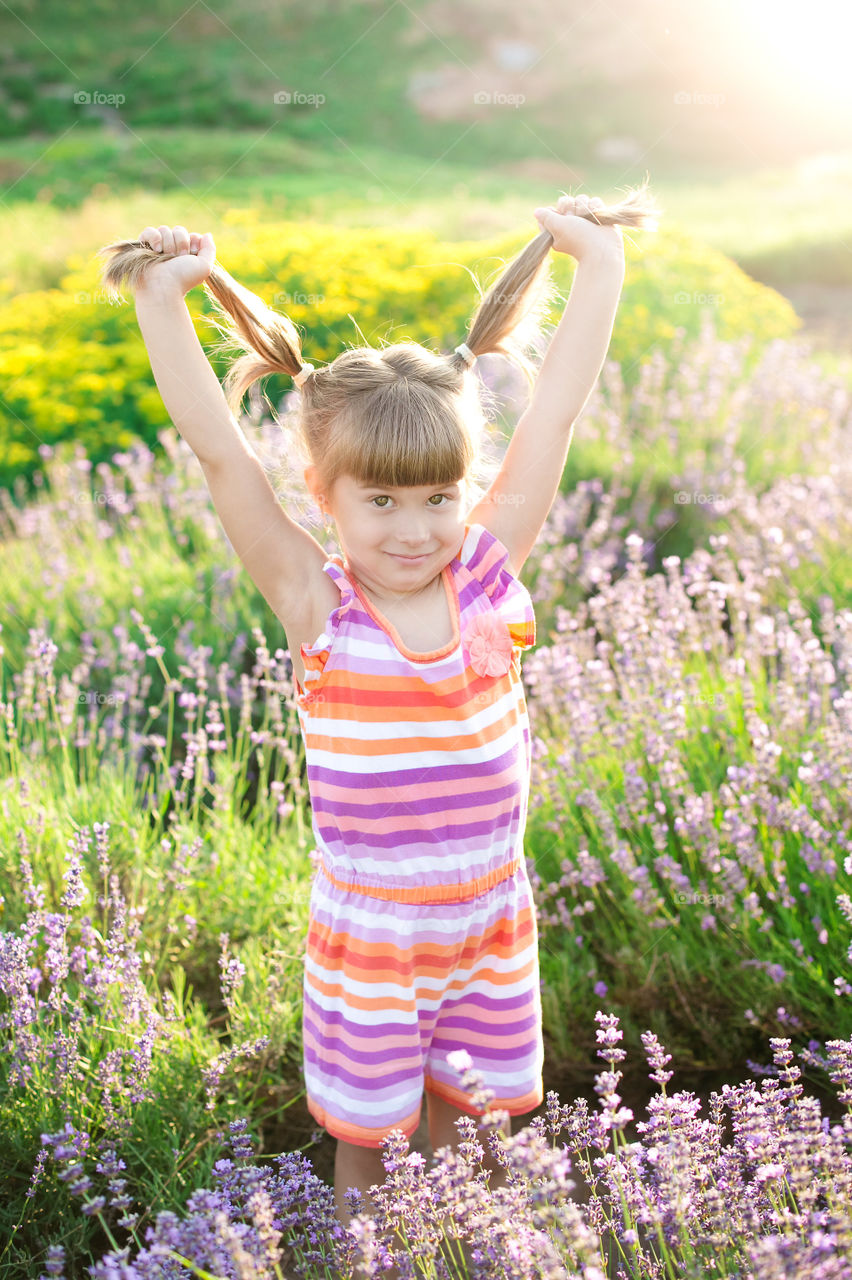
<point x="190" y="389"/>
<point x="520" y="497"/>
<point x="281" y="557"/>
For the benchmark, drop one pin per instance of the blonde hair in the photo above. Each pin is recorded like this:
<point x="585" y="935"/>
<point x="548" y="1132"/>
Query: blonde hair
<point x="396" y="415"/>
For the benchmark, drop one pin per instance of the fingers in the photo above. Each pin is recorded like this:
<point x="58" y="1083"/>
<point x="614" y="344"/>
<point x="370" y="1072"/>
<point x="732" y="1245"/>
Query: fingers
<point x="579" y="205"/>
<point x="172" y="240"/>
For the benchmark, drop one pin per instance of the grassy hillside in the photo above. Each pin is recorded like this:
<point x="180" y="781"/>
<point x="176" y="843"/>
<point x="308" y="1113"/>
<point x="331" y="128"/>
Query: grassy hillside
<point x="86" y="187"/>
<point x="406" y="76"/>
<point x="348" y="68"/>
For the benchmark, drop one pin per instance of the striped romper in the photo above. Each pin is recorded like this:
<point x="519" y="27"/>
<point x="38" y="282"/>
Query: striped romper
<point x="422" y="933"/>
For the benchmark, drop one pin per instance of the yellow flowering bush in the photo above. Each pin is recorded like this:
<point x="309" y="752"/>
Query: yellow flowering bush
<point x="74" y="367"/>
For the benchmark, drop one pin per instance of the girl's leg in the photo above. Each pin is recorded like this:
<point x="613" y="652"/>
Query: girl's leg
<point x="359" y="1167"/>
<point x="443" y="1132"/>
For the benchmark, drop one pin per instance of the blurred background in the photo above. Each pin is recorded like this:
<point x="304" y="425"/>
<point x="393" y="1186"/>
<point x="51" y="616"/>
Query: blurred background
<point x="460" y="116"/>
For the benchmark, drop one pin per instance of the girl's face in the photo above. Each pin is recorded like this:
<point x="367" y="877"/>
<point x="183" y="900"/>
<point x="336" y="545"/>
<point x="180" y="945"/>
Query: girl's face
<point x="397" y="540"/>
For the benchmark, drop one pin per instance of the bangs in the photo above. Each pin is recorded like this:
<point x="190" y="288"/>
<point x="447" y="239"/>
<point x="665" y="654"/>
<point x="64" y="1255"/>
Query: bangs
<point x="416" y="439"/>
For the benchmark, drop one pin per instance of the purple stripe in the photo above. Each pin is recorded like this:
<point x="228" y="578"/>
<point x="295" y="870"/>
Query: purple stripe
<point x="335" y="1018"/>
<point x="424" y="806"/>
<point x="422" y="773"/>
<point x="381" y="1082"/>
<point x="440" y="1044"/>
<point x="405" y="938"/>
<point x="481" y="1055"/>
<point x="361" y="1057"/>
<point x="390" y="665"/>
<point x="427" y="837"/>
<point x="489" y="1004"/>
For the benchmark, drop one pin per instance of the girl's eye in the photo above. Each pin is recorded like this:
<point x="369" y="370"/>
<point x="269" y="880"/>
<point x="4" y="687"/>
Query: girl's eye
<point x="384" y="498"/>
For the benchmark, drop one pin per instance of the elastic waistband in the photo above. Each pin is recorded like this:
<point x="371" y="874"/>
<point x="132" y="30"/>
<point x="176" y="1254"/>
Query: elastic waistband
<point x="426" y="893"/>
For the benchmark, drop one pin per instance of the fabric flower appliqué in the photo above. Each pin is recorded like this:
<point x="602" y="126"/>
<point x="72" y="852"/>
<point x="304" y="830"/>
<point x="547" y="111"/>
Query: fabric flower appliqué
<point x="489" y="645"/>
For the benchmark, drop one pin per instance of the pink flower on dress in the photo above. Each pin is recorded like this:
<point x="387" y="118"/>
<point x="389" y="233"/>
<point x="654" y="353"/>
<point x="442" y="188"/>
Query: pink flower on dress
<point x="489" y="645"/>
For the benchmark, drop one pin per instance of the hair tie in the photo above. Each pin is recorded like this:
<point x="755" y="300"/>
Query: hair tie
<point x="299" y="378"/>
<point x="465" y="352"/>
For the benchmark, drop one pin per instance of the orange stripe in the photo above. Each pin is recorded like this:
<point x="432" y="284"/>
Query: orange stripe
<point x="491" y="975"/>
<point x="370" y="1003"/>
<point x="383" y="704"/>
<point x="326" y="988"/>
<point x="455" y="740"/>
<point x="491" y="811"/>
<point x="499" y="941"/>
<point x="514" y="1106"/>
<point x="429" y="892"/>
<point x="361" y="1137"/>
<point x="364" y="682"/>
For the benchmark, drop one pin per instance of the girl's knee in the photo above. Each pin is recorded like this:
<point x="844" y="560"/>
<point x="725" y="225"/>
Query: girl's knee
<point x="350" y="1157"/>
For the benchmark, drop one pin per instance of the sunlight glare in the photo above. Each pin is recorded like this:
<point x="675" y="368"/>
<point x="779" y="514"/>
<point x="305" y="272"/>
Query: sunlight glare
<point x="810" y="44"/>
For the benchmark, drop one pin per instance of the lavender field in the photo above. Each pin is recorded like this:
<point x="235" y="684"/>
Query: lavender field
<point x="689" y="840"/>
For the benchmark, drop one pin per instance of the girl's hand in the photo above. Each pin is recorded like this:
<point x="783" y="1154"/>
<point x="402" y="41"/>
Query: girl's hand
<point x="194" y="260"/>
<point x="575" y="233"/>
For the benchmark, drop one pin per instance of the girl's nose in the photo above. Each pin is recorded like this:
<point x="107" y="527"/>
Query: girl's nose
<point x="414" y="534"/>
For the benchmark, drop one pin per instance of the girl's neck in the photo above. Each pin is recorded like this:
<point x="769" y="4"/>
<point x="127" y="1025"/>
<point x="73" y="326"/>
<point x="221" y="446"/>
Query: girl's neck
<point x="433" y="590"/>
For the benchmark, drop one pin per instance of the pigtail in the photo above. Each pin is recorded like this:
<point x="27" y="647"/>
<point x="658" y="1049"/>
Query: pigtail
<point x="511" y="312"/>
<point x="268" y="339"/>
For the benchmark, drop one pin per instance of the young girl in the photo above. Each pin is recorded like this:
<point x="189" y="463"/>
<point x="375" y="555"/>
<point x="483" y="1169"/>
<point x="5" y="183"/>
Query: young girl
<point x="406" y="660"/>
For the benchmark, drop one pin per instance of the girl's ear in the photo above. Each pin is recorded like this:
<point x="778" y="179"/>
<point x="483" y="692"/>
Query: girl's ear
<point x="311" y="478"/>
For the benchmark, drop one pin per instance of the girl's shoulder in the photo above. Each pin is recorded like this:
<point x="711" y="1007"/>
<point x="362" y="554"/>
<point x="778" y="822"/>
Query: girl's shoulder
<point x="485" y="559"/>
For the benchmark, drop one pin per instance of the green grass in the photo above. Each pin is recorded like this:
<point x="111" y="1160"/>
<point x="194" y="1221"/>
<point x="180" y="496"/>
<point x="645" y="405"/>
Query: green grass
<point x="359" y="57"/>
<point x="782" y="225"/>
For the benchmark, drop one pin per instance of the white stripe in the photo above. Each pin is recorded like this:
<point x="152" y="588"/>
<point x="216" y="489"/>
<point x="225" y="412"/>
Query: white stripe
<point x="353" y="1111"/>
<point x="395" y="991"/>
<point x="523" y="1080"/>
<point x="351" y="762"/>
<point x="459" y="868"/>
<point x="378" y="918"/>
<point x="460" y="725"/>
<point x="372" y="646"/>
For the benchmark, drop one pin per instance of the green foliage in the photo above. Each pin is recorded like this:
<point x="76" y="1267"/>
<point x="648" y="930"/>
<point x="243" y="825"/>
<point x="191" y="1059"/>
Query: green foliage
<point x="392" y="284"/>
